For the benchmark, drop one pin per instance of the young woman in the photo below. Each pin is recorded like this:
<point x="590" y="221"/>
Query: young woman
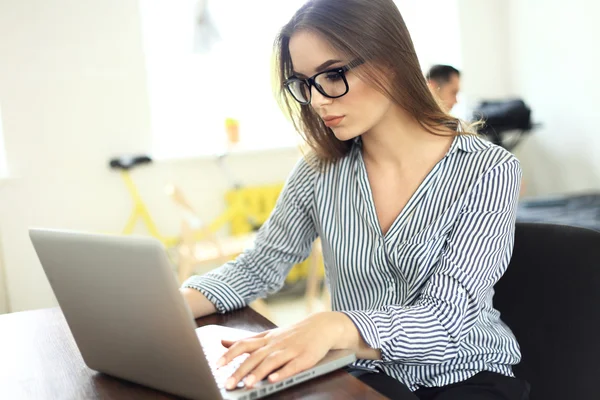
<point x="415" y="214"/>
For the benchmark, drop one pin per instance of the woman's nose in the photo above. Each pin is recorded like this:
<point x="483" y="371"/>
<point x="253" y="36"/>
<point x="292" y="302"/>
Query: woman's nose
<point x="317" y="99"/>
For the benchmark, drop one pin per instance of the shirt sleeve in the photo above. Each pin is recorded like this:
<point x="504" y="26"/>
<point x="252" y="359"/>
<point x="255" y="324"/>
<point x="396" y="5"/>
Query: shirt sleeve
<point x="474" y="258"/>
<point x="284" y="240"/>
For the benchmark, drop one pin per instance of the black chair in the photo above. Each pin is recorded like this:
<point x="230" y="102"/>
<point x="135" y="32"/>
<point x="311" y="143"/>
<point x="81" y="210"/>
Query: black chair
<point x="550" y="298"/>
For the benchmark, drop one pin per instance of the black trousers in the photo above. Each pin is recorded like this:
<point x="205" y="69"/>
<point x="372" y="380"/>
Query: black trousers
<point x="483" y="386"/>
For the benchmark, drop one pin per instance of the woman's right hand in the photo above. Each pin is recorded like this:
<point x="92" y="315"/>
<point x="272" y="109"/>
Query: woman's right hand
<point x="197" y="302"/>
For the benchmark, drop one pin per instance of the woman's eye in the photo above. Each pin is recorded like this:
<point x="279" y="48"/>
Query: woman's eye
<point x="333" y="76"/>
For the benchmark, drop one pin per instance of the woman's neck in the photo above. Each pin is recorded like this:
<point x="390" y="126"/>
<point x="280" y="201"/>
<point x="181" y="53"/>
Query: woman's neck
<point x="399" y="140"/>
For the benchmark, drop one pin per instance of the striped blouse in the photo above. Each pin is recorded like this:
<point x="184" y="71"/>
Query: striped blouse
<point x="422" y="293"/>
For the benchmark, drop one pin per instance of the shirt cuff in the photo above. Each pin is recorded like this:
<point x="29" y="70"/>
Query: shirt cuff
<point x="367" y="329"/>
<point x="223" y="296"/>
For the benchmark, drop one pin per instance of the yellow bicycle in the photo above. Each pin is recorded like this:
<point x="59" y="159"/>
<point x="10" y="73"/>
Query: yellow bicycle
<point x="239" y="212"/>
<point x="139" y="211"/>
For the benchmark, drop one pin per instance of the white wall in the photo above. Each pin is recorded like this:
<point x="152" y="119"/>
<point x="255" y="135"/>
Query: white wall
<point x="485" y="49"/>
<point x="545" y="52"/>
<point x="554" y="65"/>
<point x="73" y="92"/>
<point x="3" y="290"/>
<point x="3" y="165"/>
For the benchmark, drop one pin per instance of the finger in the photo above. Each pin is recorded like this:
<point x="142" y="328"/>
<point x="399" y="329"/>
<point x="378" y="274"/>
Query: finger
<point x="240" y="347"/>
<point x="248" y="365"/>
<point x="270" y="363"/>
<point x="293" y="367"/>
<point x="230" y="342"/>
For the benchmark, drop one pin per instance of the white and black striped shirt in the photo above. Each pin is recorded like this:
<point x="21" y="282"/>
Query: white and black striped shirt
<point x="422" y="293"/>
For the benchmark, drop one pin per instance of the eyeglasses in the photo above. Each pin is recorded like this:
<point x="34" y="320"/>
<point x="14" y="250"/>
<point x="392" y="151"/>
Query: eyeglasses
<point x="331" y="83"/>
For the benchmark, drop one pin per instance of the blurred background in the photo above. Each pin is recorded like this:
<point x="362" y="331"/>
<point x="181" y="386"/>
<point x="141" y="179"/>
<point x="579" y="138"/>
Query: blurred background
<point x="185" y="86"/>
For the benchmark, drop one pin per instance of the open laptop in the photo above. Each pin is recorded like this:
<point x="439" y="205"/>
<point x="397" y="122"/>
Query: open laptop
<point x="122" y="303"/>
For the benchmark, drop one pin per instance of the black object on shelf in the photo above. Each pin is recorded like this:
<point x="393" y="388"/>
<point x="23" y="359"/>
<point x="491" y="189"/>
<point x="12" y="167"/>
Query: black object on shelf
<point x="504" y="119"/>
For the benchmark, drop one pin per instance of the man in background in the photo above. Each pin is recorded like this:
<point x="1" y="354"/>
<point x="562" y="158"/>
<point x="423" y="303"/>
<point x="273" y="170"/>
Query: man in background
<point x="444" y="83"/>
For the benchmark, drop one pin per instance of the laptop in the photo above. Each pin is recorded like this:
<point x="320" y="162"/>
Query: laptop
<point x="121" y="301"/>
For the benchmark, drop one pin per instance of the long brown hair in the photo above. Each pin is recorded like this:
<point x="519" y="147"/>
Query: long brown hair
<point x="373" y="31"/>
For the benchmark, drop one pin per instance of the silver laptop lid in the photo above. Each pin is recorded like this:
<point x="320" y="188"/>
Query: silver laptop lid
<point x="121" y="301"/>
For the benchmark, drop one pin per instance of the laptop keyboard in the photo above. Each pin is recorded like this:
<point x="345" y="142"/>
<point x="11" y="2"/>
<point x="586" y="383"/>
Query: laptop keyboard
<point x="213" y="353"/>
<point x="210" y="340"/>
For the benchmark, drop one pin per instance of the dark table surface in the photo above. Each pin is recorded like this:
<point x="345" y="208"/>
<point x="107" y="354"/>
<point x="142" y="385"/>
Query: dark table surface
<point x="40" y="360"/>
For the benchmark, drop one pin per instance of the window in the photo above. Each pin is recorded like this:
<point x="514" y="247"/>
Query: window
<point x="192" y="92"/>
<point x="434" y="29"/>
<point x="195" y="85"/>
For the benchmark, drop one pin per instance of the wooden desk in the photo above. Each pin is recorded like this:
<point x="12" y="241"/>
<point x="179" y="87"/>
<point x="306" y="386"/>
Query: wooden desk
<point x="39" y="360"/>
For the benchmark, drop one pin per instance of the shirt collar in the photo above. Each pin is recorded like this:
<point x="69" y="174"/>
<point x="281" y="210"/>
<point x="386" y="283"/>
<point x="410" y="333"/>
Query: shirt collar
<point x="468" y="143"/>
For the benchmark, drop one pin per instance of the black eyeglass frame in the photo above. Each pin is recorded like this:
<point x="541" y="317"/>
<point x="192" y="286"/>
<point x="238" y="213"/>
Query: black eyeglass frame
<point x="310" y="82"/>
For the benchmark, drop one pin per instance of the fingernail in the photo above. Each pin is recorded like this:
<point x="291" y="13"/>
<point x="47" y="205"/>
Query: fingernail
<point x="230" y="384"/>
<point x="274" y="376"/>
<point x="249" y="381"/>
<point x="220" y="362"/>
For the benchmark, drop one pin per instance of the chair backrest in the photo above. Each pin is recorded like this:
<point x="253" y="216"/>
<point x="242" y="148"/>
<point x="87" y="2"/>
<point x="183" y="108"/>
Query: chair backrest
<point x="550" y="298"/>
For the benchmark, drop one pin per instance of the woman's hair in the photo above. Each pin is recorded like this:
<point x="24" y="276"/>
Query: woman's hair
<point x="373" y="31"/>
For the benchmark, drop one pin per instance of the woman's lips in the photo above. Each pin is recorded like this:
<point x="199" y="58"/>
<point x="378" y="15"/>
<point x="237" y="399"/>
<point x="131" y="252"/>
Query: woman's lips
<point x="332" y="121"/>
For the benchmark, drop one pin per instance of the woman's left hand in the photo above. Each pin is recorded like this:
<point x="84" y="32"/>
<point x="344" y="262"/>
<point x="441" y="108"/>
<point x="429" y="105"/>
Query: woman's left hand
<point x="287" y="351"/>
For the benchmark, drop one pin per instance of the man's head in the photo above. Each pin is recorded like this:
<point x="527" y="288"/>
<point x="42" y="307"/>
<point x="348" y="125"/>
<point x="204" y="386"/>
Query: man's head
<point x="444" y="83"/>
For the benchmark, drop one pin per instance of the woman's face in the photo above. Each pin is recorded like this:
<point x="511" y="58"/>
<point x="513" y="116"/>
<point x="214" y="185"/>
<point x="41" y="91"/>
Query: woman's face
<point x="351" y="115"/>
